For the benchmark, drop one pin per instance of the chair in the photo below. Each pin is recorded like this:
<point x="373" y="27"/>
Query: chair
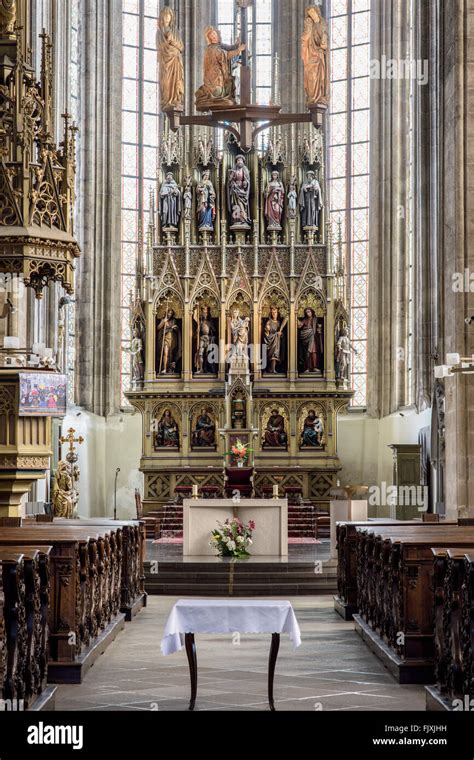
<point x="239" y="479"/>
<point x="152" y="524"/>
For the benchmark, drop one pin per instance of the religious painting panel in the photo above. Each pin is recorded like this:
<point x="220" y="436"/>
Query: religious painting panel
<point x="311" y="334"/>
<point x="274" y="333"/>
<point x="204" y="422"/>
<point x="167" y="433"/>
<point x="274" y="424"/>
<point x="312" y="426"/>
<point x="169" y="336"/>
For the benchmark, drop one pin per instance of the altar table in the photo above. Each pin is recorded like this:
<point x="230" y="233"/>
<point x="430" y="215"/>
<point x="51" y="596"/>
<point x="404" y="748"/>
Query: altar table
<point x="191" y="616"/>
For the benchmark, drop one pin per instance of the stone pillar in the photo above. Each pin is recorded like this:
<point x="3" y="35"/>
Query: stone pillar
<point x="456" y="245"/>
<point x="389" y="205"/>
<point x="98" y="273"/>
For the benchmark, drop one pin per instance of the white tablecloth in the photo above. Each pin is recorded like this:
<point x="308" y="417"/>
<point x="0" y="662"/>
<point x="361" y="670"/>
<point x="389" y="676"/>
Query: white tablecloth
<point x="228" y="616"/>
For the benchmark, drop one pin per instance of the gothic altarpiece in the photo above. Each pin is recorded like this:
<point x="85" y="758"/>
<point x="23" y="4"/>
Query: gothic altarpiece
<point x="240" y="319"/>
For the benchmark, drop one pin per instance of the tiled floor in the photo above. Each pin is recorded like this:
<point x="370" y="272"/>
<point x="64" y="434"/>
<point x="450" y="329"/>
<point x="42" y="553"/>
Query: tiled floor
<point x="332" y="670"/>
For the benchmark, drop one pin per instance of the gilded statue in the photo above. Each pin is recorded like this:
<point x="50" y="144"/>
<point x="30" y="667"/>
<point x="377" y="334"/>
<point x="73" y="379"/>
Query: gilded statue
<point x="315" y="55"/>
<point x="7" y="16"/>
<point x="219" y="83"/>
<point x="64" y="493"/>
<point x="170" y="58"/>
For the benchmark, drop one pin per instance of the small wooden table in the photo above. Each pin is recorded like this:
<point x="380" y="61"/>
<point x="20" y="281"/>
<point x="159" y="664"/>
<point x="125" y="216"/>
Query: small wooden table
<point x="189" y="617"/>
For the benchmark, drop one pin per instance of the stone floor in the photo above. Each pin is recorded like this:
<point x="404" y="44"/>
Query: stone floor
<point x="296" y="553"/>
<point x="332" y="670"/>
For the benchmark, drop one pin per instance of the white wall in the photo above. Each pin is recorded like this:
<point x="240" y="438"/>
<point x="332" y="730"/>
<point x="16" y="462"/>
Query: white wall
<point x="363" y="445"/>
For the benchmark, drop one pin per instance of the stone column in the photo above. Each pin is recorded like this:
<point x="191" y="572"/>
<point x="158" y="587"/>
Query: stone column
<point x="456" y="244"/>
<point x="98" y="274"/>
<point x="389" y="205"/>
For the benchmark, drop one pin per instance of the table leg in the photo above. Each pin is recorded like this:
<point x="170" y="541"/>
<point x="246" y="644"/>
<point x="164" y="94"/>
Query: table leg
<point x="275" y="648"/>
<point x="192" y="660"/>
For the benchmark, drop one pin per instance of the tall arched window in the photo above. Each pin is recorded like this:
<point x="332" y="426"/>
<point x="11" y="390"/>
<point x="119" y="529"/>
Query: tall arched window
<point x="349" y="139"/>
<point x="140" y="132"/>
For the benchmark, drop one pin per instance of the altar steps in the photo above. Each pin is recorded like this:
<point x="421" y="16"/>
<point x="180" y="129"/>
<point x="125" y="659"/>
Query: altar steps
<point x="241" y="579"/>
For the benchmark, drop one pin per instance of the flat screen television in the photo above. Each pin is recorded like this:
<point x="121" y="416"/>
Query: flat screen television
<point x="42" y="394"/>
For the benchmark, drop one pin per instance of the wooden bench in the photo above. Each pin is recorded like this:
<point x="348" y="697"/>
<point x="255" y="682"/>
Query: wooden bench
<point x="345" y="603"/>
<point x="453" y="590"/>
<point x="395" y="594"/>
<point x="132" y="534"/>
<point x="85" y="594"/>
<point x="24" y="599"/>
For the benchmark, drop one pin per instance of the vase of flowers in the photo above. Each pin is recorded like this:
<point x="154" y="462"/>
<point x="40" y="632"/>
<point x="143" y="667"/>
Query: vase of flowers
<point x="239" y="453"/>
<point x="233" y="538"/>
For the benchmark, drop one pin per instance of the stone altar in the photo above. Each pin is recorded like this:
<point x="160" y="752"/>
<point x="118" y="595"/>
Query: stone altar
<point x="270" y="538"/>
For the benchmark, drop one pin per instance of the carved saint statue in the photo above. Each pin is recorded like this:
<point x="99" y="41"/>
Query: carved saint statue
<point x="293" y="198"/>
<point x="275" y="433"/>
<point x="206" y="341"/>
<point x="311" y="202"/>
<point x="170" y="203"/>
<point x="239" y="331"/>
<point x="344" y="349"/>
<point x="274" y="202"/>
<point x="170" y="58"/>
<point x="138" y="359"/>
<point x="219" y="83"/>
<point x="168" y="344"/>
<point x="315" y="55"/>
<point x="167" y="435"/>
<point x="238" y="195"/>
<point x="7" y="16"/>
<point x="313" y="430"/>
<point x="310" y="342"/>
<point x="205" y="433"/>
<point x="206" y="204"/>
<point x="64" y="493"/>
<point x="188" y="198"/>
<point x="273" y="339"/>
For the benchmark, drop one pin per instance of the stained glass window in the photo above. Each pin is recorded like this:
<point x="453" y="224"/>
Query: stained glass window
<point x="140" y="130"/>
<point x="349" y="137"/>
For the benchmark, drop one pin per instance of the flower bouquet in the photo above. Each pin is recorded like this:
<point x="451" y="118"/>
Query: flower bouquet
<point x="240" y="452"/>
<point x="233" y="538"/>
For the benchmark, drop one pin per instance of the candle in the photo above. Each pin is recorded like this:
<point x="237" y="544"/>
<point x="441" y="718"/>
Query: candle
<point x="11" y="342"/>
<point x="195" y="492"/>
<point x="276" y="495"/>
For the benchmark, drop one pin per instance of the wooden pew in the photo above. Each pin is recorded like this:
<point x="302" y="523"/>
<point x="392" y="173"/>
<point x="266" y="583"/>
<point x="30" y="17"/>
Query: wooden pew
<point x="81" y="616"/>
<point x="395" y="594"/>
<point x="453" y="588"/>
<point x="345" y="603"/>
<point x="24" y="628"/>
<point x="133" y="542"/>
